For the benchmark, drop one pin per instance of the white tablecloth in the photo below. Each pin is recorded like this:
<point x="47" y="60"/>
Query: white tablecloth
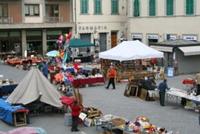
<point x="183" y="94"/>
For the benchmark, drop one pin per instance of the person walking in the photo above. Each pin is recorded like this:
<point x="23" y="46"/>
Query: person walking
<point x="76" y="109"/>
<point x="111" y="74"/>
<point x="45" y="70"/>
<point x="162" y="87"/>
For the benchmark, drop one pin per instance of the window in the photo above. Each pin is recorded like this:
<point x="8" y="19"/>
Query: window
<point x="32" y="10"/>
<point x="97" y="6"/>
<point x="169" y="7"/>
<point x="3" y="10"/>
<point x="152" y="7"/>
<point x="189" y="7"/>
<point x="52" y="10"/>
<point x="136" y="6"/>
<point x="84" y="6"/>
<point x="115" y="7"/>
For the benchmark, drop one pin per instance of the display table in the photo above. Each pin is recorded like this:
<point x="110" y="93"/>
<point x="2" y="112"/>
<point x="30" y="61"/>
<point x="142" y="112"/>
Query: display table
<point x="89" y="81"/>
<point x="175" y="94"/>
<point x="134" y="74"/>
<point x="14" y="115"/>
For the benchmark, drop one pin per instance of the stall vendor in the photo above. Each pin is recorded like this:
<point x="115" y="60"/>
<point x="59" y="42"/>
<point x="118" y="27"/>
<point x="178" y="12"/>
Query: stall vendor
<point x="148" y="83"/>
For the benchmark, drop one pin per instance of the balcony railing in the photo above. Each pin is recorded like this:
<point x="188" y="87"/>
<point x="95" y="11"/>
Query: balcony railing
<point x="53" y="19"/>
<point x="6" y="20"/>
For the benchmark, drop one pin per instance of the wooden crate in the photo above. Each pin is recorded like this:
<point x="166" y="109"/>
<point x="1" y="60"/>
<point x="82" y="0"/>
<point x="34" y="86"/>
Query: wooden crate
<point x="20" y="119"/>
<point x="143" y="94"/>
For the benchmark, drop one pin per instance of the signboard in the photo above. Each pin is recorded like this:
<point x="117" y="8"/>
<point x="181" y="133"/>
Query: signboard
<point x="136" y="35"/>
<point x="90" y="28"/>
<point x="170" y="71"/>
<point x="190" y="37"/>
<point x="171" y="36"/>
<point x="152" y="36"/>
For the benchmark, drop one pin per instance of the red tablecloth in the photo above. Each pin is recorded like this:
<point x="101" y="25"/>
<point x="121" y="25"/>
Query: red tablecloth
<point x="89" y="81"/>
<point x="188" y="81"/>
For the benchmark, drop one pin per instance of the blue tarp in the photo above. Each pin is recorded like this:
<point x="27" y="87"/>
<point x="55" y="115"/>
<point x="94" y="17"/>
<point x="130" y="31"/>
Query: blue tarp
<point x="7" y="89"/>
<point x="6" y="111"/>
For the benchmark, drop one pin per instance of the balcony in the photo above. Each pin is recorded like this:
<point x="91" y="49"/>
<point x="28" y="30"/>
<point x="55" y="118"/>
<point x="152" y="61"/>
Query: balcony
<point x="6" y="20"/>
<point x="53" y="19"/>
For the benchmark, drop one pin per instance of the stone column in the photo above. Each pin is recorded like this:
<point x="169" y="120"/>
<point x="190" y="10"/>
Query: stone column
<point x="44" y="41"/>
<point x="24" y="42"/>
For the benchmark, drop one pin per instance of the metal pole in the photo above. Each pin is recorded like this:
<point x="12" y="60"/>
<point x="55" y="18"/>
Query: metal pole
<point x="75" y="17"/>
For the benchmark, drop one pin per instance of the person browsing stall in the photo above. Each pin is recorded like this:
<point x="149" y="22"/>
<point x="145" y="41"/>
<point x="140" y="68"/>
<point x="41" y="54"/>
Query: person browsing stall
<point x="162" y="87"/>
<point x="111" y="74"/>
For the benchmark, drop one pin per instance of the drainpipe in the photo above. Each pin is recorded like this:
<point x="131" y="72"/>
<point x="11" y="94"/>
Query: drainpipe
<point x="75" y="17"/>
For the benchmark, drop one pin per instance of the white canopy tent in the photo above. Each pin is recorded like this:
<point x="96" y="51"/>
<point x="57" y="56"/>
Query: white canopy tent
<point x="130" y="50"/>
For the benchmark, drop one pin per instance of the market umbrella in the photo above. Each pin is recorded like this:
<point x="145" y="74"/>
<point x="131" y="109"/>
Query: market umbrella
<point x="53" y="53"/>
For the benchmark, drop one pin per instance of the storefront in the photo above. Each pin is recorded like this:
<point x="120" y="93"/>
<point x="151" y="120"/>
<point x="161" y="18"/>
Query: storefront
<point x="10" y="41"/>
<point x="182" y="55"/>
<point x="152" y="38"/>
<point x="103" y="41"/>
<point x="171" y="36"/>
<point x="34" y="42"/>
<point x="137" y="36"/>
<point x="52" y="37"/>
<point x="85" y="37"/>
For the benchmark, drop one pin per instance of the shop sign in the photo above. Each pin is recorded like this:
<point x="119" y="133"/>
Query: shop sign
<point x="137" y="36"/>
<point x="152" y="36"/>
<point x="190" y="37"/>
<point x="92" y="28"/>
<point x="171" y="37"/>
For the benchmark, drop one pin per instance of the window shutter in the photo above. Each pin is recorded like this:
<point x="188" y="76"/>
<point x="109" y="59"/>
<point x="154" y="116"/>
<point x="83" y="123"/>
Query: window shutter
<point x="170" y="7"/>
<point x="152" y="8"/>
<point x="114" y="7"/>
<point x="136" y="6"/>
<point x="97" y="6"/>
<point x="189" y="7"/>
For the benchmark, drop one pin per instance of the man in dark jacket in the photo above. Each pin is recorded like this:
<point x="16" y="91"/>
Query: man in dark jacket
<point x="162" y="87"/>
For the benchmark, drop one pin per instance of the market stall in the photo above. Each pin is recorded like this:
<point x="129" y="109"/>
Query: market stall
<point x="129" y="57"/>
<point x="180" y="55"/>
<point x="35" y="92"/>
<point x="113" y="124"/>
<point x="23" y="63"/>
<point x="177" y="95"/>
<point x="75" y="44"/>
<point x="134" y="61"/>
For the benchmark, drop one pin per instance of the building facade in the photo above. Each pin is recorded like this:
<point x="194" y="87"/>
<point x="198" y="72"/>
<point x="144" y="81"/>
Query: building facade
<point x="157" y="20"/>
<point x="102" y="22"/>
<point x="33" y="25"/>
